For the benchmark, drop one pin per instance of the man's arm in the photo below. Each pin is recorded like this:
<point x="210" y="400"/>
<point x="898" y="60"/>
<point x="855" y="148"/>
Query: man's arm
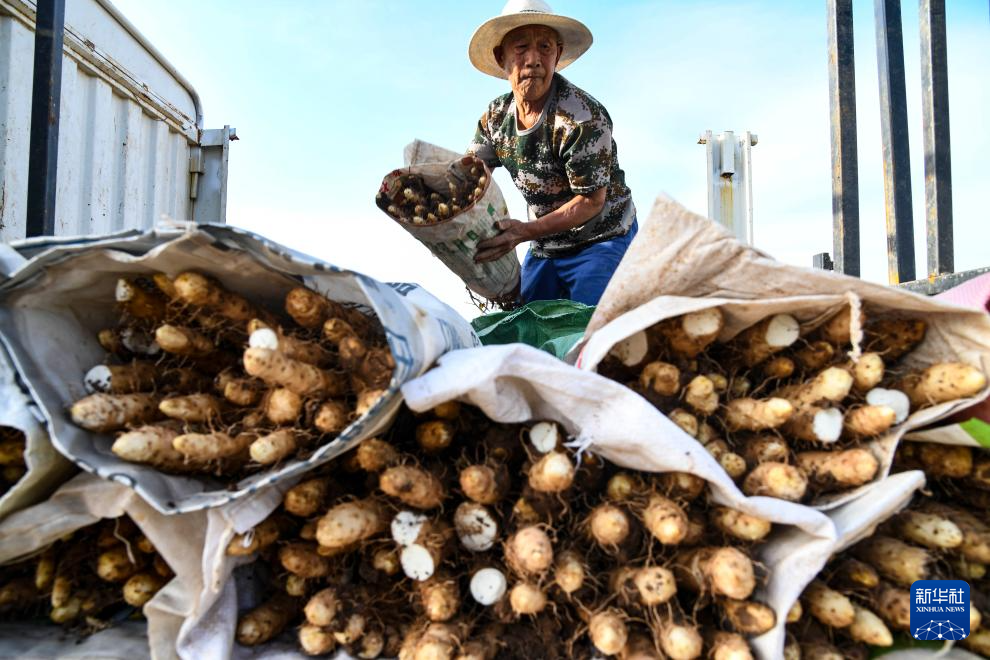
<point x="574" y="213"/>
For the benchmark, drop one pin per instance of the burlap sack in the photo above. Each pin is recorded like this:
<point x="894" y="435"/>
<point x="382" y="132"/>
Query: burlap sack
<point x="453" y="241"/>
<point x="53" y="306"/>
<point x="85" y="500"/>
<point x="46" y="468"/>
<point x="681" y="262"/>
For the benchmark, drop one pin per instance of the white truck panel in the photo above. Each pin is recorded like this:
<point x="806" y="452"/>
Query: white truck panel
<point x="126" y="133"/>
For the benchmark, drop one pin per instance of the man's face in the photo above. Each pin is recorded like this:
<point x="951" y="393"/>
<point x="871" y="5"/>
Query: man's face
<point x="529" y="56"/>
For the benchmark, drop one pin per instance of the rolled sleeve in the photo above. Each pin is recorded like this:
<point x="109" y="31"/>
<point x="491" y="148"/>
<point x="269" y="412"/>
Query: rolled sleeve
<point x="587" y="157"/>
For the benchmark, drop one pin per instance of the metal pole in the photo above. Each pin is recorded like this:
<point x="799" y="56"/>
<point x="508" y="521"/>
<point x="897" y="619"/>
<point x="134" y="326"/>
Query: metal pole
<point x="45" y="97"/>
<point x="894" y="128"/>
<point x="845" y="171"/>
<point x="935" y="108"/>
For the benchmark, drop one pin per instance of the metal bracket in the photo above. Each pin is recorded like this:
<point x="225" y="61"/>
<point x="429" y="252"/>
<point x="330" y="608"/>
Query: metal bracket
<point x="208" y="175"/>
<point x="730" y="191"/>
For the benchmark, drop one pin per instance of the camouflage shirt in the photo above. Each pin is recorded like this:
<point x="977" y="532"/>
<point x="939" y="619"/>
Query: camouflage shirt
<point x="568" y="151"/>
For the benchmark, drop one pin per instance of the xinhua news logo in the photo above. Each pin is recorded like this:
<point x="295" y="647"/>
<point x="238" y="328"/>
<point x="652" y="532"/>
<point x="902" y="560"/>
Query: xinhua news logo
<point x="940" y="610"/>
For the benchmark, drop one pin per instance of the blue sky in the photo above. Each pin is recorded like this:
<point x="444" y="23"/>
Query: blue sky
<point x="324" y="96"/>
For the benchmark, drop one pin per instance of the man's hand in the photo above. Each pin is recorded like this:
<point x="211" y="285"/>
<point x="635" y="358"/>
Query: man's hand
<point x="513" y="232"/>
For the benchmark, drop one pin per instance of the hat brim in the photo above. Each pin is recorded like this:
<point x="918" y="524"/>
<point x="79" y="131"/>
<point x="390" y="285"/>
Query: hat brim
<point x="576" y="37"/>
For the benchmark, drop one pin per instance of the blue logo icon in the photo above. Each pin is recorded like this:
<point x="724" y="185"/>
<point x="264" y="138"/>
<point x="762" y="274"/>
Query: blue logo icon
<point x="940" y="610"/>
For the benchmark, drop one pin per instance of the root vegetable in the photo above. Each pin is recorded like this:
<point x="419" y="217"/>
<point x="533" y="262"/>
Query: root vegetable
<point x="729" y="646"/>
<point x="814" y="424"/>
<point x="655" y="585"/>
<point x="529" y="551"/>
<point x="374" y="455"/>
<point x="772" y="334"/>
<point x="640" y="647"/>
<point x="978" y="642"/>
<point x="569" y="572"/>
<point x="405" y="527"/>
<point x="553" y="473"/>
<point x="476" y="527"/>
<point x="448" y="410"/>
<point x="665" y="520"/>
<point x="191" y="408"/>
<point x="439" y="598"/>
<point x="302" y="559"/>
<point x="868" y="421"/>
<point x="867" y="371"/>
<point x="748" y="617"/>
<point x="267" y="621"/>
<point x="747" y="414"/>
<point x="815" y="355"/>
<point x="778" y="480"/>
<point x="371" y="644"/>
<point x="893" y="399"/>
<point x="951" y="461"/>
<point x="869" y="629"/>
<point x="967" y="570"/>
<point x="259" y="538"/>
<point x="205" y="291"/>
<point x="61" y="590"/>
<point x="686" y="421"/>
<point x="421" y="559"/>
<point x="680" y="641"/>
<point x="17" y="594"/>
<point x="766" y="449"/>
<point x="386" y="560"/>
<point x="315" y="640"/>
<point x="837" y="330"/>
<point x="820" y="650"/>
<point x="302" y="378"/>
<point x="722" y="571"/>
<point x="488" y="585"/>
<point x="274" y="447"/>
<point x="242" y="392"/>
<point x="322" y="607"/>
<point x="412" y="486"/>
<point x="794" y="614"/>
<point x="262" y="336"/>
<point x="349" y="523"/>
<point x="179" y="340"/>
<point x="894" y="606"/>
<point x="689" y="335"/>
<point x="608" y="631"/>
<point x="778" y="368"/>
<point x="332" y="417"/>
<point x="846" y="468"/>
<point x="282" y="406"/>
<point x="622" y="486"/>
<point x="434" y="436"/>
<point x="527" y="599"/>
<point x="296" y="585"/>
<point x="376" y="368"/>
<point x="976" y="533"/>
<point x="103" y="413"/>
<point x="121" y="379"/>
<point x="44" y="572"/>
<point x="737" y="524"/>
<point x="141" y="588"/>
<point x="114" y="565"/>
<point x="700" y="394"/>
<point x="139" y="302"/>
<point x="609" y="525"/>
<point x="484" y="484"/>
<point x="545" y="437"/>
<point x="680" y="486"/>
<point x="352" y="629"/>
<point x="897" y="561"/>
<point x="855" y="574"/>
<point x="928" y="529"/>
<point x="830" y="385"/>
<point x="894" y="338"/>
<point x="739" y="387"/>
<point x="68" y="612"/>
<point x="308" y="308"/>
<point x="151" y="445"/>
<point x="939" y="383"/>
<point x="661" y="378"/>
<point x="828" y="606"/>
<point x="307" y="498"/>
<point x="212" y="446"/>
<point x="438" y="642"/>
<point x="366" y="400"/>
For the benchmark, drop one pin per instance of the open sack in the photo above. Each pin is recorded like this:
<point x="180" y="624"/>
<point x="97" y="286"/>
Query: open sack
<point x="510" y="385"/>
<point x="53" y="306"/>
<point x="81" y="502"/>
<point x="682" y="263"/>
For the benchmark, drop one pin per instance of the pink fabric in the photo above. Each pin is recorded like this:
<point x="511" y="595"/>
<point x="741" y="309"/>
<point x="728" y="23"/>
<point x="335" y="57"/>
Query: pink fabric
<point x="974" y="294"/>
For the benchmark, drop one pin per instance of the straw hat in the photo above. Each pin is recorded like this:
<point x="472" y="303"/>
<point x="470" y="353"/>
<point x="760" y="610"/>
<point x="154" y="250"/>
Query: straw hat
<point x="516" y="13"/>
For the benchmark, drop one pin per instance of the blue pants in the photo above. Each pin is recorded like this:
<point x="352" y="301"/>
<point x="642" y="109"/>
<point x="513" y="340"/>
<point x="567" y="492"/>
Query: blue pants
<point x="582" y="276"/>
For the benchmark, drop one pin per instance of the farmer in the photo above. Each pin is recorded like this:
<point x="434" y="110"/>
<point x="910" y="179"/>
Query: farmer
<point x="556" y="142"/>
